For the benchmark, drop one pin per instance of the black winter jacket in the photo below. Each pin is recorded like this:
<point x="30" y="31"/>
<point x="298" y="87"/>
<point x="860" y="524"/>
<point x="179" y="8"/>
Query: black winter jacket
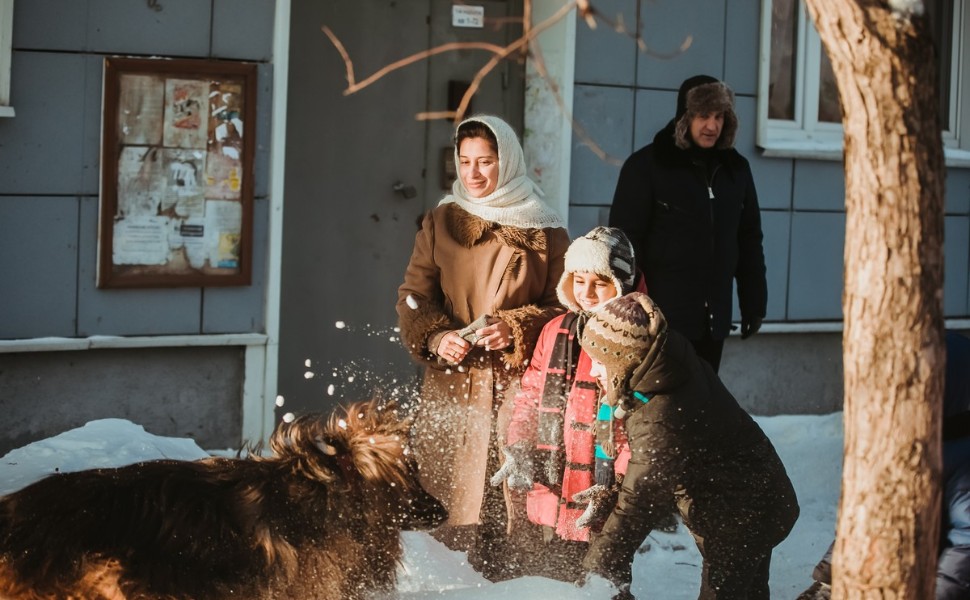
<point x="689" y="246"/>
<point x="692" y="444"/>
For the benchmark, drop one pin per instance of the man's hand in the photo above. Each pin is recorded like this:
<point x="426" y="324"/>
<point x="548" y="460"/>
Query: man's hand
<point x="749" y="326"/>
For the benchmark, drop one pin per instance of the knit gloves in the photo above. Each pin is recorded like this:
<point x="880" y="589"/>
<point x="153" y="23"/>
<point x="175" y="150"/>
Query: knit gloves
<point x="601" y="499"/>
<point x="468" y="334"/>
<point x="517" y="469"/>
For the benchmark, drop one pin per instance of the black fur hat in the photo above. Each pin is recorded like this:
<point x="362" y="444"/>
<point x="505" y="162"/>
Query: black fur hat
<point x="699" y="95"/>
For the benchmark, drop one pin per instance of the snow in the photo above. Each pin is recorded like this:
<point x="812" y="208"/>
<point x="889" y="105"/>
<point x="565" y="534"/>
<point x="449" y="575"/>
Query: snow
<point x="668" y="565"/>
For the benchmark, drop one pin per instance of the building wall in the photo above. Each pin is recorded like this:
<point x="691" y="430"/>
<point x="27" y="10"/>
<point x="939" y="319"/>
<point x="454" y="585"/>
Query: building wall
<point x="180" y="392"/>
<point x="623" y="96"/>
<point x="49" y="194"/>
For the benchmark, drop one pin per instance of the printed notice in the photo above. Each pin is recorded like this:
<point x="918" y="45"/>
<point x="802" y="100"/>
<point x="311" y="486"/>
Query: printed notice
<point x="223" y="224"/>
<point x="192" y="236"/>
<point x="141" y="241"/>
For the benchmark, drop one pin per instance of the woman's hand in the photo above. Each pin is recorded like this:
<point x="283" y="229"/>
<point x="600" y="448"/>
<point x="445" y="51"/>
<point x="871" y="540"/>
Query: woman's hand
<point x="453" y="348"/>
<point x="497" y="335"/>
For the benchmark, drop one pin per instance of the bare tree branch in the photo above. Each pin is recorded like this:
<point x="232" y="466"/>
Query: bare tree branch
<point x="353" y="86"/>
<point x="524" y="43"/>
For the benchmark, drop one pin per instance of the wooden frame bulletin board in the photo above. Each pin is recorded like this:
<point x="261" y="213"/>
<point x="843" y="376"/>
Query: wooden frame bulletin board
<point x="177" y="146"/>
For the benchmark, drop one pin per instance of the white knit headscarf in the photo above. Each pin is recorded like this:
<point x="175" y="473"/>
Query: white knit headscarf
<point x="516" y="200"/>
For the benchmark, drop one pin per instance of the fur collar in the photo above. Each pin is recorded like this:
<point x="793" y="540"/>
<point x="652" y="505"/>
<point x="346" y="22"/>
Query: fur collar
<point x="468" y="230"/>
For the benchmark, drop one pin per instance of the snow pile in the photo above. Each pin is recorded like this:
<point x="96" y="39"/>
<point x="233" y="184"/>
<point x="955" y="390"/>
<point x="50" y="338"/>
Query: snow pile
<point x="103" y="443"/>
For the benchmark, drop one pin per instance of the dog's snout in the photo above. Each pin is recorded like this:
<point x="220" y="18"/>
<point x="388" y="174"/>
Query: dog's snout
<point x="424" y="511"/>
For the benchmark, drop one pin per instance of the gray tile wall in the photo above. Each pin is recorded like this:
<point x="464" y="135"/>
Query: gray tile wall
<point x="38" y="262"/>
<point x="49" y="165"/>
<point x="624" y="96"/>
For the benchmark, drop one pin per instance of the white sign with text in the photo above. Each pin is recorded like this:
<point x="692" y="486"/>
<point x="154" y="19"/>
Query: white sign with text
<point x="463" y="15"/>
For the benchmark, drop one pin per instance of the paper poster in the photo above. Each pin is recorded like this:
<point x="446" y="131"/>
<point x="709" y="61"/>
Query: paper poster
<point x="141" y="241"/>
<point x="224" y="167"/>
<point x="191" y="235"/>
<point x="141" y="181"/>
<point x="186" y="113"/>
<point x="184" y="189"/>
<point x="223" y="221"/>
<point x="140" y="107"/>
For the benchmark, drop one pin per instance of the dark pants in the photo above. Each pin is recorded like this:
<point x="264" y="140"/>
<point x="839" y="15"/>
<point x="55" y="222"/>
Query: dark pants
<point x="735" y="535"/>
<point x="732" y="574"/>
<point x="730" y="571"/>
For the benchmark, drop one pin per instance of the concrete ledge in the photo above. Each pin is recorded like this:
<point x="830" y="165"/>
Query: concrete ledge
<point x="798" y="372"/>
<point x="834" y="327"/>
<point x="98" y="342"/>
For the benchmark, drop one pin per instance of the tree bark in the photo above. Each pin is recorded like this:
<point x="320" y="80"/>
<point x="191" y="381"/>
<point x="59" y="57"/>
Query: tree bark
<point x="893" y="347"/>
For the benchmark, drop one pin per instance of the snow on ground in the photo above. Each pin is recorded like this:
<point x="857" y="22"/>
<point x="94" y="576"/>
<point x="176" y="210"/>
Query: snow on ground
<point x="667" y="567"/>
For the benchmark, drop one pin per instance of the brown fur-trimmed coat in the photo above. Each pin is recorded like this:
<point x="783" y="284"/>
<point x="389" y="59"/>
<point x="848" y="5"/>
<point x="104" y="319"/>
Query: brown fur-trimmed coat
<point x="461" y="268"/>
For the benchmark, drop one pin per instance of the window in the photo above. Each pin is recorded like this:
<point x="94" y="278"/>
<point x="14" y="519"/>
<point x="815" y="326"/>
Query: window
<point x="6" y="35"/>
<point x="798" y="101"/>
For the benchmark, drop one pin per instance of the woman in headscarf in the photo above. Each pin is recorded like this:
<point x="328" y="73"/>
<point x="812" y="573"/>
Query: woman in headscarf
<point x="479" y="287"/>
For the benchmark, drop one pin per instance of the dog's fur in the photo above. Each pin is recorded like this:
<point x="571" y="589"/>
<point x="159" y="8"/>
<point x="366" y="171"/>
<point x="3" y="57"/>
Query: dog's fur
<point x="320" y="518"/>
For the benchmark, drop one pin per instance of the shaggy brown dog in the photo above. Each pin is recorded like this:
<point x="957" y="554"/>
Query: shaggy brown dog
<point x="321" y="518"/>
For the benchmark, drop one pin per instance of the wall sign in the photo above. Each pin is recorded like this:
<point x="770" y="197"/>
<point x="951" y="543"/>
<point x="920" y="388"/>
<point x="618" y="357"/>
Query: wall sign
<point x="463" y="15"/>
<point x="177" y="152"/>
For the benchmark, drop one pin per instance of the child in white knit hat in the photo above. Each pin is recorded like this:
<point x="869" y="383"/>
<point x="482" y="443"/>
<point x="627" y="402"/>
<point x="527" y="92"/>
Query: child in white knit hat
<point x="562" y="446"/>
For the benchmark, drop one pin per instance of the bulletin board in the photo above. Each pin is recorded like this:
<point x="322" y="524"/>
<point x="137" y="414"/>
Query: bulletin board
<point x="177" y="147"/>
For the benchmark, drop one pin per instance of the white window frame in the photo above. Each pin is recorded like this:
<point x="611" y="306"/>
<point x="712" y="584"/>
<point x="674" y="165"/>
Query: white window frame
<point x="805" y="137"/>
<point x="6" y="39"/>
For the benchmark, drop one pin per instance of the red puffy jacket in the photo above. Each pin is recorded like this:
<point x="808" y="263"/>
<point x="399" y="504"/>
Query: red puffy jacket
<point x="546" y="506"/>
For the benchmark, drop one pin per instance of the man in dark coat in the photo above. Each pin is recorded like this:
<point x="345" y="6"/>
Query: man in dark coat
<point x="688" y="203"/>
<point x="692" y="443"/>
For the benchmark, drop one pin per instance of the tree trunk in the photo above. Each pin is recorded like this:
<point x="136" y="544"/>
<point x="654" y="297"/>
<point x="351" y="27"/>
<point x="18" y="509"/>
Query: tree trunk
<point x="892" y="302"/>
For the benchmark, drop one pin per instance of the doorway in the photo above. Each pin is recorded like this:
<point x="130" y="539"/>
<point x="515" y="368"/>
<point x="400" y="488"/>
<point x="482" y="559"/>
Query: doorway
<point x="360" y="171"/>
